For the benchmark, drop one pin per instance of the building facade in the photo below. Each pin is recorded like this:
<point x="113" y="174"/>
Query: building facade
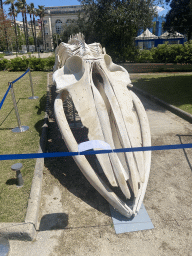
<point x="55" y="18"/>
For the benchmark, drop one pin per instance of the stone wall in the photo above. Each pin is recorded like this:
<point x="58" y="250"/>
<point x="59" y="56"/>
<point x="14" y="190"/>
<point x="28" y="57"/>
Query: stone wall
<point x="155" y="67"/>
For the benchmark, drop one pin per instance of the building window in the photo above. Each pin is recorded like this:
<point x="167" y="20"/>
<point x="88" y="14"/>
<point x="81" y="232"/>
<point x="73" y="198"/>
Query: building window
<point x="68" y="21"/>
<point x="45" y="21"/>
<point x="58" y="26"/>
<point x="46" y="31"/>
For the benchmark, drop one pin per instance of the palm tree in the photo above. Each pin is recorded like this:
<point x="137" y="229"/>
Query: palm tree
<point x="4" y="27"/>
<point x="21" y="7"/>
<point x="12" y="12"/>
<point x="41" y="14"/>
<point x="32" y="12"/>
<point x="34" y="24"/>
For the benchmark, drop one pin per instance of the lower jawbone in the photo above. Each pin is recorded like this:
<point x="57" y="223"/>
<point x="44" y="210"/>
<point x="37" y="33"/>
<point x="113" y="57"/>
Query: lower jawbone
<point x="112" y="114"/>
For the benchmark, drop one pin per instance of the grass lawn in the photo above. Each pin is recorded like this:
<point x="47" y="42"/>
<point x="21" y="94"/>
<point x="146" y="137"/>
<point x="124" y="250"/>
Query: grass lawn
<point x="175" y="89"/>
<point x="13" y="200"/>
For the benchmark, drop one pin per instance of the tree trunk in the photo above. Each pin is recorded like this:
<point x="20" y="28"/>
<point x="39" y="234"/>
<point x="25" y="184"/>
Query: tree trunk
<point x="35" y="33"/>
<point x="27" y="35"/>
<point x="24" y="28"/>
<point x="17" y="46"/>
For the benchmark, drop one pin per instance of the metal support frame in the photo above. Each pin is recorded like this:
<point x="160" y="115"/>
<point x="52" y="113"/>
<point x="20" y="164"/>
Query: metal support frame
<point x="19" y="128"/>
<point x="31" y="83"/>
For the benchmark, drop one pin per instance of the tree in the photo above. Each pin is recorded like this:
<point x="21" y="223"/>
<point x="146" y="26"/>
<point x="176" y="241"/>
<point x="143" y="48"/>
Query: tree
<point x="7" y="35"/>
<point x="33" y="12"/>
<point x="13" y="13"/>
<point x="21" y="7"/>
<point x="179" y="18"/>
<point x="115" y="23"/>
<point x="70" y="28"/>
<point x="41" y="14"/>
<point x="3" y="21"/>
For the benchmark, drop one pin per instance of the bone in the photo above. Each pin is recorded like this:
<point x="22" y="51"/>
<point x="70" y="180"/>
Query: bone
<point x="111" y="112"/>
<point x="84" y="165"/>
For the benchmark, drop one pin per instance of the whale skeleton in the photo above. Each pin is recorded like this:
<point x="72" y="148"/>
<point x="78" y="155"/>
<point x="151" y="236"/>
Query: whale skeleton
<point x="112" y="113"/>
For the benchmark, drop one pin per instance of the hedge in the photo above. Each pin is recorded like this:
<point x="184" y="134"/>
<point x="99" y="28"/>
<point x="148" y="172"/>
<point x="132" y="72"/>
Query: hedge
<point x="167" y="53"/>
<point x="164" y="53"/>
<point x="21" y="64"/>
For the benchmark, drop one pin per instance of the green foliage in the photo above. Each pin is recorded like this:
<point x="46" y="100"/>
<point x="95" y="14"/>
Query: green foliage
<point x="37" y="64"/>
<point x="3" y="64"/>
<point x="167" y="53"/>
<point x="49" y="62"/>
<point x="115" y="23"/>
<point x="18" y="64"/>
<point x="179" y="18"/>
<point x="144" y="56"/>
<point x="21" y="64"/>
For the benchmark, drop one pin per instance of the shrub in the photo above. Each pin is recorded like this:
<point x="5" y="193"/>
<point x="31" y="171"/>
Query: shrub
<point x="167" y="53"/>
<point x="2" y="55"/>
<point x="37" y="64"/>
<point x="18" y="64"/>
<point x="3" y="64"/>
<point x="49" y="62"/>
<point x="144" y="56"/>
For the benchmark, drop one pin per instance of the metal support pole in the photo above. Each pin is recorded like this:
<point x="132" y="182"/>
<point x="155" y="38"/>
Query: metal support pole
<point x="74" y="119"/>
<point x="31" y="83"/>
<point x="19" y="128"/>
<point x="17" y="167"/>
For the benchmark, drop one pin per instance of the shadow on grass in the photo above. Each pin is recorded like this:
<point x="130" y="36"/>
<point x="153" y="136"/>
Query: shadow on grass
<point x="175" y="90"/>
<point x="40" y="109"/>
<point x="9" y="114"/>
<point x="42" y="104"/>
<point x="38" y="126"/>
<point x="11" y="182"/>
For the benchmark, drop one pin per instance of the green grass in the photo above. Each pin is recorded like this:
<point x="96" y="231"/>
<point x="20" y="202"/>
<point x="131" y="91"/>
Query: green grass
<point x="175" y="89"/>
<point x="13" y="200"/>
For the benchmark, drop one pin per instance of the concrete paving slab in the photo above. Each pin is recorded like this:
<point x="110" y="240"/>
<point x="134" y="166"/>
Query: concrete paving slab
<point x="75" y="220"/>
<point x="123" y="225"/>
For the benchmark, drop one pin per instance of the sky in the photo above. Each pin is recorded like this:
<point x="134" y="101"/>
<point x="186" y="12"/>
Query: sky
<point x="48" y="3"/>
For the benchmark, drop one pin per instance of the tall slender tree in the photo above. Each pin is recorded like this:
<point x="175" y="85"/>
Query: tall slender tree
<point x="22" y="7"/>
<point x="29" y="11"/>
<point x="13" y="13"/>
<point x="41" y="14"/>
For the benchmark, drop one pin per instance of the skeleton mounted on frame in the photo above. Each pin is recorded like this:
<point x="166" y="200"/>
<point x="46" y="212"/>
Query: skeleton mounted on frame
<point x="112" y="113"/>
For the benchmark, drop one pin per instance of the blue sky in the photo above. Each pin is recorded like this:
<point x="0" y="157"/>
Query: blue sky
<point x="68" y="2"/>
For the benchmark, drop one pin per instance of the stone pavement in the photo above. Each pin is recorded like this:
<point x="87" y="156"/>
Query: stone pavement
<point x="75" y="220"/>
<point x="37" y="55"/>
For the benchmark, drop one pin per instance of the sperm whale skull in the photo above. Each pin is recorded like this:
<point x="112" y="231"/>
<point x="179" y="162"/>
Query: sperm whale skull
<point x="112" y="113"/>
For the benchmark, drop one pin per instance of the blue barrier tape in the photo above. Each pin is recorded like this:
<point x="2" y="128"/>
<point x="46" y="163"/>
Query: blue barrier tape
<point x="93" y="152"/>
<point x="1" y="103"/>
<point x="20" y="76"/>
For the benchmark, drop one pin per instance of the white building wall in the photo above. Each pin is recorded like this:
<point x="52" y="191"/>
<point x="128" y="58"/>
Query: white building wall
<point x="62" y="13"/>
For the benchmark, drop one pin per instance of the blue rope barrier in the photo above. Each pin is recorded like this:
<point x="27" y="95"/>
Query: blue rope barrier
<point x="20" y="76"/>
<point x="1" y="103"/>
<point x="93" y="152"/>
